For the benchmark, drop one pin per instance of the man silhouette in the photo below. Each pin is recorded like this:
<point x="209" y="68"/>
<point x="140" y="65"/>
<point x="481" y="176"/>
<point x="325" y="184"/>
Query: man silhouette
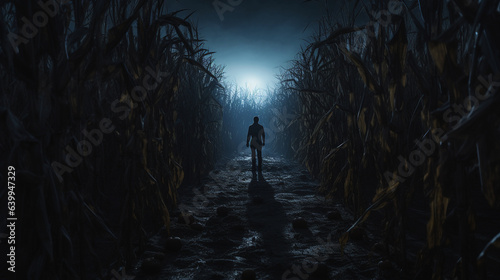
<point x="256" y="131"/>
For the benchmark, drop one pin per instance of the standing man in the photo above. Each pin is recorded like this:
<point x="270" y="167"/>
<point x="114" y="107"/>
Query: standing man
<point x="256" y="131"/>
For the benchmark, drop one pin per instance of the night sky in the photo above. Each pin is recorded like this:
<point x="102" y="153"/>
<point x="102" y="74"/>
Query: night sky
<point x="257" y="37"/>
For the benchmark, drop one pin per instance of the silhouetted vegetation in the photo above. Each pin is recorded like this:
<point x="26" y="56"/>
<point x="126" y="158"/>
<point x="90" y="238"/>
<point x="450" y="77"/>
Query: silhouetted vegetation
<point x="109" y="106"/>
<point x="141" y="69"/>
<point x="380" y="124"/>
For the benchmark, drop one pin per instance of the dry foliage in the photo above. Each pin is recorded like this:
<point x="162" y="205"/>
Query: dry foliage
<point x="365" y="95"/>
<point x="79" y="69"/>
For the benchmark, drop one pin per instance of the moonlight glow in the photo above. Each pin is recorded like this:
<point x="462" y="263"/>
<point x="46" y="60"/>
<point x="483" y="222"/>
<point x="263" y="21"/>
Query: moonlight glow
<point x="255" y="79"/>
<point x="252" y="83"/>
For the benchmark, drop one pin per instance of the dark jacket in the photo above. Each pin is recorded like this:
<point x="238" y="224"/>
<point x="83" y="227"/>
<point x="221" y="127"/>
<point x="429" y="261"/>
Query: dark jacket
<point x="255" y="130"/>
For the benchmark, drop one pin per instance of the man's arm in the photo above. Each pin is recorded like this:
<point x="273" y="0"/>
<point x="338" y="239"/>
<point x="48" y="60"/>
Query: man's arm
<point x="248" y="136"/>
<point x="263" y="137"/>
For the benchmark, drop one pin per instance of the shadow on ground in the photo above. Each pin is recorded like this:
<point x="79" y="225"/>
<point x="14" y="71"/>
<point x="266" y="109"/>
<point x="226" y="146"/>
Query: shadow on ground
<point x="268" y="219"/>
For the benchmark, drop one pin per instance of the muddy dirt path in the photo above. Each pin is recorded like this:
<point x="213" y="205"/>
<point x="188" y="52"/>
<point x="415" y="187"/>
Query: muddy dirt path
<point x="273" y="224"/>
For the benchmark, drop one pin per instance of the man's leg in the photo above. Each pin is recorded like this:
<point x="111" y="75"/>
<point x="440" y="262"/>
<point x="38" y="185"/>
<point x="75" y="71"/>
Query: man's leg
<point x="253" y="158"/>
<point x="259" y="155"/>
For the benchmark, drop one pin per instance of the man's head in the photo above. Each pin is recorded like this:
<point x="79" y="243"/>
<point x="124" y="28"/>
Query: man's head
<point x="256" y="119"/>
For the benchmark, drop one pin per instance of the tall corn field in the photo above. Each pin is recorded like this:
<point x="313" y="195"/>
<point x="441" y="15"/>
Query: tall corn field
<point x="94" y="105"/>
<point x="397" y="116"/>
<point x="107" y="108"/>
